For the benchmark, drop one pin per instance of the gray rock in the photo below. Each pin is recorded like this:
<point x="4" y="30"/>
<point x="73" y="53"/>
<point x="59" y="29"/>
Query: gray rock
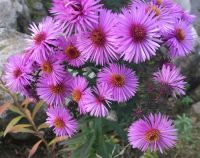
<point x="38" y="6"/>
<point x="190" y="67"/>
<point x="185" y="4"/>
<point x="7" y="14"/>
<point x="196" y="108"/>
<point x="10" y="11"/>
<point x="196" y="11"/>
<point x="11" y="42"/>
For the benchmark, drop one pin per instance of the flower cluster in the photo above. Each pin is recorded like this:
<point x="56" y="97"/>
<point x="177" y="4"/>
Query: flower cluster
<point x="82" y="35"/>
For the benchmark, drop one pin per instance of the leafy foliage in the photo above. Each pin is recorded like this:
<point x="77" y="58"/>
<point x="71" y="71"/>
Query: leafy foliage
<point x="184" y="126"/>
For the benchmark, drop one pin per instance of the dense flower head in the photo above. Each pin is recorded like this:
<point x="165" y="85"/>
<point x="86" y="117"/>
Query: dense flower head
<point x="180" y="40"/>
<point x="80" y="91"/>
<point x="154" y="132"/>
<point x="138" y="34"/>
<point x="54" y="93"/>
<point x="121" y="80"/>
<point x="17" y="73"/>
<point x="52" y="68"/>
<point x="170" y="80"/>
<point x="62" y="122"/>
<point x="97" y="103"/>
<point x="70" y="52"/>
<point x="43" y="38"/>
<point x="99" y="43"/>
<point x="76" y="15"/>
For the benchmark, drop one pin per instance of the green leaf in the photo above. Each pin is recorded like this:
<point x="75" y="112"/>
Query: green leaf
<point x="11" y="124"/>
<point x="21" y="128"/>
<point x="16" y="110"/>
<point x="42" y="126"/>
<point x="57" y="140"/>
<point x="37" y="108"/>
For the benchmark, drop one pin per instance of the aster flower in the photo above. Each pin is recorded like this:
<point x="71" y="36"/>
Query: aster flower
<point x="187" y="17"/>
<point x="165" y="20"/>
<point x="154" y="132"/>
<point x="76" y="15"/>
<point x="43" y="38"/>
<point x="96" y="104"/>
<point x="52" y="69"/>
<point x="121" y="80"/>
<point x="164" y="3"/>
<point x="17" y="73"/>
<point x="62" y="122"/>
<point x="99" y="44"/>
<point x="170" y="80"/>
<point x="54" y="93"/>
<point x="70" y="51"/>
<point x="180" y="40"/>
<point x="138" y="34"/>
<point x="80" y="91"/>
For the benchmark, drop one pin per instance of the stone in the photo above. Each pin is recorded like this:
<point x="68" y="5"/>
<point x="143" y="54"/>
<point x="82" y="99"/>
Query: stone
<point x="196" y="11"/>
<point x="196" y="108"/>
<point x="7" y="14"/>
<point x="38" y="6"/>
<point x="185" y="4"/>
<point x="11" y="42"/>
<point x="10" y="11"/>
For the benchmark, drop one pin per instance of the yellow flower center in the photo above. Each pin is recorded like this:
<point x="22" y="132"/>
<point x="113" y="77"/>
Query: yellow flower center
<point x="76" y="95"/>
<point x="72" y="52"/>
<point x="158" y="2"/>
<point x="138" y="33"/>
<point x="152" y="135"/>
<point x="47" y="67"/>
<point x="118" y="80"/>
<point x="17" y="73"/>
<point x="39" y="38"/>
<point x="59" y="123"/>
<point x="57" y="89"/>
<point x="98" y="37"/>
<point x="180" y="34"/>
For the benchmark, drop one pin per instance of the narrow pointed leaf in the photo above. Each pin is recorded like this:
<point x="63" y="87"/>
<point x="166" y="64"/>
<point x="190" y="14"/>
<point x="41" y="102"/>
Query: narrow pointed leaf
<point x="37" y="108"/>
<point x="34" y="149"/>
<point x="12" y="123"/>
<point x="42" y="126"/>
<point x="57" y="140"/>
<point x="4" y="107"/>
<point x="16" y="110"/>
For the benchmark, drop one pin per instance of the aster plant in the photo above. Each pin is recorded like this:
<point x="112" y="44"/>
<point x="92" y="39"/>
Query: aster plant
<point x="86" y="61"/>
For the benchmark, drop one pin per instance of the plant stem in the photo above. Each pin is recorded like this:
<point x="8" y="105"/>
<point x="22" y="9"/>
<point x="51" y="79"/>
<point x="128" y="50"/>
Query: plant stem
<point x="37" y="133"/>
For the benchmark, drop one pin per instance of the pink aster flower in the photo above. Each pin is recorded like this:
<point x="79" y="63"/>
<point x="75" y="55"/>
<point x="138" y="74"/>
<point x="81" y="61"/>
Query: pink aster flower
<point x="165" y="19"/>
<point x="96" y="104"/>
<point x="164" y="3"/>
<point x="54" y="93"/>
<point x="80" y="91"/>
<point x="154" y="132"/>
<point x="170" y="80"/>
<point x="70" y="51"/>
<point x="62" y="122"/>
<point x="99" y="44"/>
<point x="76" y="15"/>
<point x="52" y="69"/>
<point x="138" y="34"/>
<point x="17" y="73"/>
<point x="43" y="38"/>
<point x="180" y="40"/>
<point x="121" y="80"/>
